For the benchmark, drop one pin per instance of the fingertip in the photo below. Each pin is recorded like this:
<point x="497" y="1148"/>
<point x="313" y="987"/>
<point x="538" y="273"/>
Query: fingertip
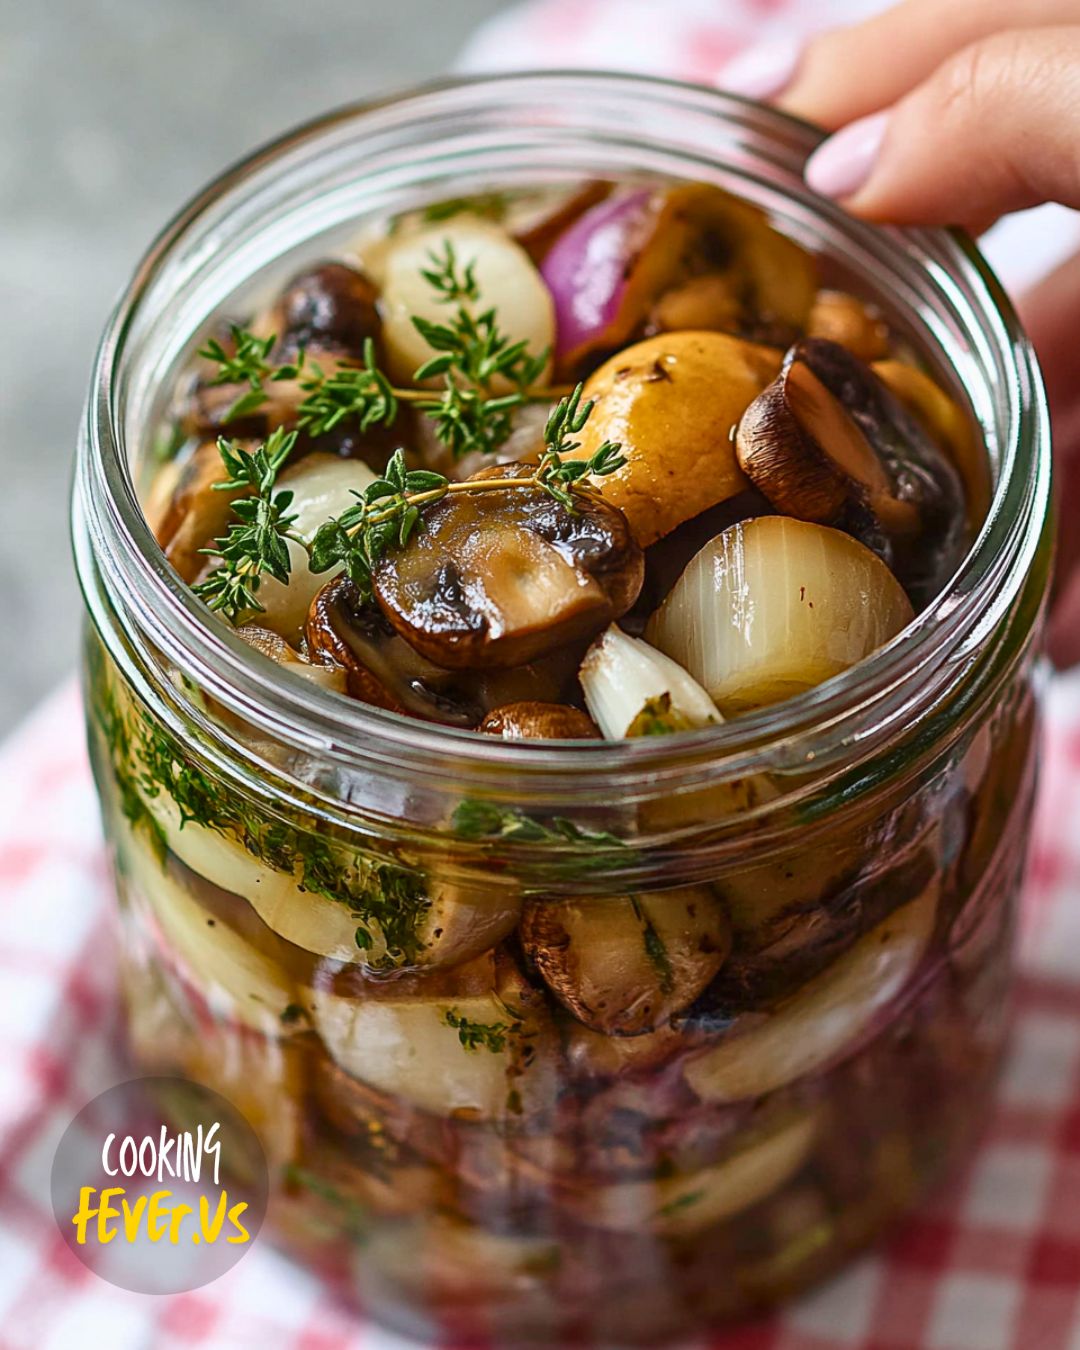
<point x="763" y="70"/>
<point x="842" y="166"/>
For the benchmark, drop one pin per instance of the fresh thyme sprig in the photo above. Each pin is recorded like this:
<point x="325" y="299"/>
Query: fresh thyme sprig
<point x="389" y="511"/>
<point x="475" y="819"/>
<point x="255" y="544"/>
<point x="473" y="411"/>
<point x="560" y="477"/>
<point x="360" y="392"/>
<point x="385" y="516"/>
<point x="472" y="354"/>
<point x="248" y="363"/>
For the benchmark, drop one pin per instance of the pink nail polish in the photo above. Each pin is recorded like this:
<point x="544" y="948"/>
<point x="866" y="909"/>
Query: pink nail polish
<point x="841" y="166"/>
<point x="762" y="70"/>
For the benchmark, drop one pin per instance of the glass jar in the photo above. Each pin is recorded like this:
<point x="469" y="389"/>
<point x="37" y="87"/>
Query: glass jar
<point x="332" y="915"/>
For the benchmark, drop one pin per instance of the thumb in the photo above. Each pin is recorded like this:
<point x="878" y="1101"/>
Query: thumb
<point x="994" y="129"/>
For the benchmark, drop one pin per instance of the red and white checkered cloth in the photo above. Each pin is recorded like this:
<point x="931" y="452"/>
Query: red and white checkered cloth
<point x="992" y="1264"/>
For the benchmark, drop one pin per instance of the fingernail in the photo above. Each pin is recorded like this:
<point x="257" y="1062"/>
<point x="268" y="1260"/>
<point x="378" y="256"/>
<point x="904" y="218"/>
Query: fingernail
<point x="841" y="166"/>
<point x="763" y="70"/>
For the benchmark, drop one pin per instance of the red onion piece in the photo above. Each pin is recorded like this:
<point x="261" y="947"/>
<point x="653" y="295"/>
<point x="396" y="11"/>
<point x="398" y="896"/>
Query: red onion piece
<point x="587" y="267"/>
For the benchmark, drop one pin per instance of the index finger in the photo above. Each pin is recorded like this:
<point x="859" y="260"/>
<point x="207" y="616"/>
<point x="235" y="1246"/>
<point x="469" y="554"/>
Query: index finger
<point x="850" y="72"/>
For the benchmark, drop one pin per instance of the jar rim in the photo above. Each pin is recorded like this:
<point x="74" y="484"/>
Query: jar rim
<point x="112" y="534"/>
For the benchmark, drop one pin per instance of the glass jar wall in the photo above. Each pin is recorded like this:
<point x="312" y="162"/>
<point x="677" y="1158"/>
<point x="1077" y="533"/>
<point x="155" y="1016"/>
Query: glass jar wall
<point x="612" y="1042"/>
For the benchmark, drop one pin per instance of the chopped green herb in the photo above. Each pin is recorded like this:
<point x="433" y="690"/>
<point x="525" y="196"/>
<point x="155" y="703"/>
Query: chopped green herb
<point x="389" y="902"/>
<point x="355" y="1214"/>
<point x="490" y="205"/>
<point x="474" y="819"/>
<point x="655" y="949"/>
<point x="481" y="1035"/>
<point x="680" y="1203"/>
<point x="658" y="718"/>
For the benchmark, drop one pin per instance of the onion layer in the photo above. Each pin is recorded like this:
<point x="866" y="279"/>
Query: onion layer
<point x="477" y="1046"/>
<point x="773" y="606"/>
<point x="456" y="926"/>
<point x="828" y="1014"/>
<point x="238" y="980"/>
<point x="322" y="486"/>
<point x="633" y="689"/>
<point x="506" y="278"/>
<point x="693" y="1201"/>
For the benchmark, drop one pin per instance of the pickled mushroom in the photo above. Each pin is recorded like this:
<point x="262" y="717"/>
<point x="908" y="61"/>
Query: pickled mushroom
<point x="499" y="578"/>
<point x="827" y="442"/>
<point x="626" y="965"/>
<point x="330" y="306"/>
<point x="531" y="721"/>
<point x="380" y="667"/>
<point x="672" y="403"/>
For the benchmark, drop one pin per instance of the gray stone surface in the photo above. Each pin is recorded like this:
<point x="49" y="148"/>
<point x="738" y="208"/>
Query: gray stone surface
<point x="114" y="112"/>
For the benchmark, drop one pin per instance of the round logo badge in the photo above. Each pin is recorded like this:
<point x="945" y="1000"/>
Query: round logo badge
<point x="159" y="1185"/>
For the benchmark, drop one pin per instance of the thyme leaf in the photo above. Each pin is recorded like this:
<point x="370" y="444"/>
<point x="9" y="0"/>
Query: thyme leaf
<point x="658" y="718"/>
<point x="256" y="541"/>
<point x="481" y="1035"/>
<point x="389" y="511"/>
<point x="388" y="902"/>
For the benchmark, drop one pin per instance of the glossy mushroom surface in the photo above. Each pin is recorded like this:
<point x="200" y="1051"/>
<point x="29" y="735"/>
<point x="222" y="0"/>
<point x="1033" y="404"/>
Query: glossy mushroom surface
<point x="497" y="579"/>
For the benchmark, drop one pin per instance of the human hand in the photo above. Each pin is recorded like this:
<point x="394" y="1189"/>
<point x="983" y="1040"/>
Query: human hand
<point x="958" y="114"/>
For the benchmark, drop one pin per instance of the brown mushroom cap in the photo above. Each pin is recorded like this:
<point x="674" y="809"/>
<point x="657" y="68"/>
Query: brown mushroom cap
<point x="532" y="721"/>
<point x="671" y="403"/>
<point x="851" y="322"/>
<point x="827" y="442"/>
<point x="330" y="305"/>
<point x="381" y="668"/>
<point x="626" y="965"/>
<point x="196" y="513"/>
<point x="805" y="453"/>
<point x="498" y="578"/>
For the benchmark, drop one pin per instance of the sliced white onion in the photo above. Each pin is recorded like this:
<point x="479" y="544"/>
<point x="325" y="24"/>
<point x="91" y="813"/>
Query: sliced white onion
<point x="322" y="486"/>
<point x="773" y="606"/>
<point x="275" y="648"/>
<point x="693" y="1201"/>
<point x="506" y="278"/>
<point x="262" y="1076"/>
<point x="441" y="1256"/>
<point x="409" y="1044"/>
<point x="623" y="677"/>
<point x="458" y="925"/>
<point x="830" y="1012"/>
<point x="238" y="980"/>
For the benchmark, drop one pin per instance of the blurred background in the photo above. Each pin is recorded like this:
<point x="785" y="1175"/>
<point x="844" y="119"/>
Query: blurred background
<point x="116" y="112"/>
